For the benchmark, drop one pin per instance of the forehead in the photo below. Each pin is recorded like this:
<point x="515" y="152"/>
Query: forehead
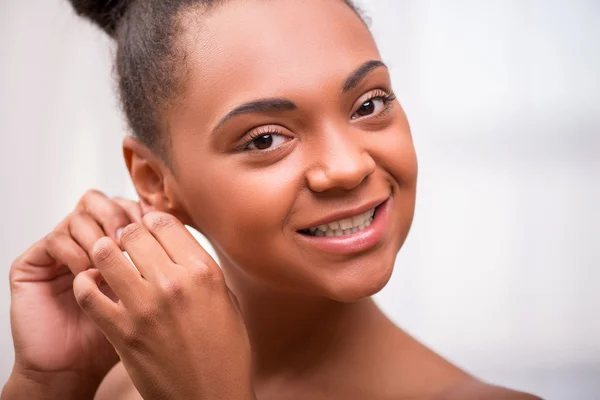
<point x="248" y="49"/>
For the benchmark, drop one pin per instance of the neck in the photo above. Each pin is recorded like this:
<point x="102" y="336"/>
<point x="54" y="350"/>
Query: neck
<point x="291" y="334"/>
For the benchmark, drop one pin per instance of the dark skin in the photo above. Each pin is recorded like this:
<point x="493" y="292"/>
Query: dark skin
<point x="337" y="139"/>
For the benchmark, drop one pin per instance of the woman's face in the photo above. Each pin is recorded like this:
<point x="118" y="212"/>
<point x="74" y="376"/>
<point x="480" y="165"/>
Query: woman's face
<point x="288" y="122"/>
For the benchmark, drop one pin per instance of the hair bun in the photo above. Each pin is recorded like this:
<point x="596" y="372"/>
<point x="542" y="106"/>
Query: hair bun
<point x="104" y="13"/>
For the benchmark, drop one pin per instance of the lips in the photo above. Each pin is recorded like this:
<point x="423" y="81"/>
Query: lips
<point x="343" y="227"/>
<point x="357" y="242"/>
<point x="344" y="219"/>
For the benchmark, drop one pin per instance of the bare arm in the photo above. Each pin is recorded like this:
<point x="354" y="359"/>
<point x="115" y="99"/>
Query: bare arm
<point x="35" y="386"/>
<point x="117" y="386"/>
<point x="475" y="389"/>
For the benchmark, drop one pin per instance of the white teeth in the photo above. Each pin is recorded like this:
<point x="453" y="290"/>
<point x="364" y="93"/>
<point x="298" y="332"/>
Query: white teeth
<point x="356" y="221"/>
<point x="346" y="223"/>
<point x="344" y="227"/>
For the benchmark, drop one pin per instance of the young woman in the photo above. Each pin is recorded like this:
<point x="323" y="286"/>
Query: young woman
<point x="272" y="128"/>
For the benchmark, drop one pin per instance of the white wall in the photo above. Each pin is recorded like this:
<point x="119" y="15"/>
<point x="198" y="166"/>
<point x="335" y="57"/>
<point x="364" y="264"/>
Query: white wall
<point x="501" y="270"/>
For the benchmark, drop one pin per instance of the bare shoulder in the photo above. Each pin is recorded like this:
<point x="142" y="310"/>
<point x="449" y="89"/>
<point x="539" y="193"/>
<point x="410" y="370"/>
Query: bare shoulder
<point x="117" y="385"/>
<point x="478" y="390"/>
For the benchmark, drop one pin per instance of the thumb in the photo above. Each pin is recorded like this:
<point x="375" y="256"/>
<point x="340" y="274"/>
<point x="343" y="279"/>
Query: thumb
<point x="92" y="300"/>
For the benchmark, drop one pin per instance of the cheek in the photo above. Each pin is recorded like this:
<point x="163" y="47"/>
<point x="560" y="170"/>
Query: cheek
<point x="247" y="214"/>
<point x="395" y="153"/>
<point x="244" y="205"/>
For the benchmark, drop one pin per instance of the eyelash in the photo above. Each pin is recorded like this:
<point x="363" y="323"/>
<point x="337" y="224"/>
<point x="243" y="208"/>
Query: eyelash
<point x="260" y="132"/>
<point x="380" y="94"/>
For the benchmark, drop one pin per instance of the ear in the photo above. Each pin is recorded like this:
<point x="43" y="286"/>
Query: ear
<point x="153" y="180"/>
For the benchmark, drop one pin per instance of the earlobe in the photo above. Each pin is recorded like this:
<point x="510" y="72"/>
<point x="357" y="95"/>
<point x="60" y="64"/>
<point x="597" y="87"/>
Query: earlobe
<point x="152" y="179"/>
<point x="147" y="172"/>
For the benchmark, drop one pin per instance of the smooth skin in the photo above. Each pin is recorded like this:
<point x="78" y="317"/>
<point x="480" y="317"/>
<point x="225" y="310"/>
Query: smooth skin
<point x="280" y="319"/>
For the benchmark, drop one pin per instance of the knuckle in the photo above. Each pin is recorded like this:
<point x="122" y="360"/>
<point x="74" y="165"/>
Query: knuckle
<point x="55" y="240"/>
<point x="90" y="194"/>
<point x="131" y="233"/>
<point x="132" y="339"/>
<point x="113" y="215"/>
<point x="77" y="216"/>
<point x="217" y="279"/>
<point x="145" y="316"/>
<point x="124" y="201"/>
<point x="118" y="218"/>
<point x="13" y="272"/>
<point x="52" y="238"/>
<point x="117" y="211"/>
<point x="157" y="221"/>
<point x="203" y="274"/>
<point x="79" y="219"/>
<point x="173" y="290"/>
<point x="16" y="267"/>
<point x="80" y="261"/>
<point x="85" y="298"/>
<point x="103" y="252"/>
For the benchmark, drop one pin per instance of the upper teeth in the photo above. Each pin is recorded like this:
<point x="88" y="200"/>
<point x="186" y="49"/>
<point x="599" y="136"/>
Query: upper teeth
<point x="355" y="223"/>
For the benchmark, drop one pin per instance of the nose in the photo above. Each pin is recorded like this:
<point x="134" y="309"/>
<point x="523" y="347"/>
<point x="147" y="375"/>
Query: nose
<point x="343" y="163"/>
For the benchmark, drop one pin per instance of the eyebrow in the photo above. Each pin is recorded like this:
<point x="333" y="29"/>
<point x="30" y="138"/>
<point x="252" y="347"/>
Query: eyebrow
<point x="257" y="107"/>
<point x="280" y="104"/>
<point x="360" y="73"/>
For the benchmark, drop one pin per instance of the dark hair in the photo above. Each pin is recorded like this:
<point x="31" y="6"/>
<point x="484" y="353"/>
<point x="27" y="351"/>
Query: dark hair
<point x="149" y="65"/>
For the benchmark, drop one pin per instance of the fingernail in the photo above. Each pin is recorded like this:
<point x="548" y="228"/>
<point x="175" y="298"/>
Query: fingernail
<point x="119" y="233"/>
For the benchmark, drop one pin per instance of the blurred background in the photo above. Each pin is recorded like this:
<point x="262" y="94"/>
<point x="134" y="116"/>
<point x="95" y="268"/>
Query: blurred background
<point x="500" y="272"/>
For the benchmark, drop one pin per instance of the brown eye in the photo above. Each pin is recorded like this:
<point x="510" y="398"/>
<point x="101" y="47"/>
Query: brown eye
<point x="263" y="142"/>
<point x="370" y="107"/>
<point x="366" y="109"/>
<point x="266" y="141"/>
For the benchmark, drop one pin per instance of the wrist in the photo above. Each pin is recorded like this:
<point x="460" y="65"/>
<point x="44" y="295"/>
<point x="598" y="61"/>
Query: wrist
<point x="33" y="385"/>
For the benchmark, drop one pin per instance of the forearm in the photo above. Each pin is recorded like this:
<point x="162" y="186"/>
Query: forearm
<point x="63" y="386"/>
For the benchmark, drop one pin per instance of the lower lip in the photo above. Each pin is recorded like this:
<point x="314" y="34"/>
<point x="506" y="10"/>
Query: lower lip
<point x="356" y="242"/>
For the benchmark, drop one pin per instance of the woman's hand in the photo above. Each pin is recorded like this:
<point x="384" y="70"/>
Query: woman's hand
<point x="177" y="327"/>
<point x="56" y="343"/>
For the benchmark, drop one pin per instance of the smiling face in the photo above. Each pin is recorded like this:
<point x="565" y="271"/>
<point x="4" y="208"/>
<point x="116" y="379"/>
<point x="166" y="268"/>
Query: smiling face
<point x="288" y="121"/>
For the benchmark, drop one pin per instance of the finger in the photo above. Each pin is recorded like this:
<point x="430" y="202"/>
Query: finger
<point x="63" y="248"/>
<point x="37" y="254"/>
<point x="85" y="230"/>
<point x="132" y="208"/>
<point x="48" y="259"/>
<point x="145" y="251"/>
<point x="63" y="226"/>
<point x="102" y="310"/>
<point x="176" y="240"/>
<point x="118" y="272"/>
<point x="106" y="212"/>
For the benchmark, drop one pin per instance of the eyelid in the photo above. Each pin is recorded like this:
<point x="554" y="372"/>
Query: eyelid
<point x="255" y="133"/>
<point x="379" y="93"/>
<point x="372" y="94"/>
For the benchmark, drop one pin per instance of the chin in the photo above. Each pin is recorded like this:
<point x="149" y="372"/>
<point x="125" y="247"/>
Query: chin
<point x="353" y="286"/>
